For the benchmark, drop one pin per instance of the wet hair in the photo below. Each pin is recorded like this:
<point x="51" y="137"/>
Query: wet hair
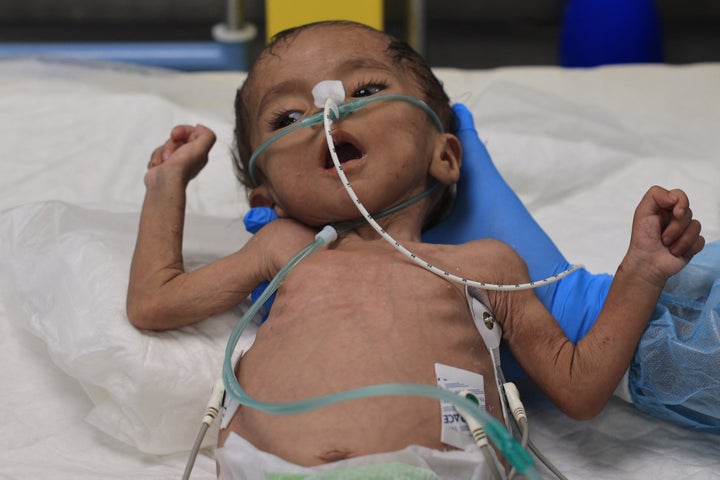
<point x="402" y="55"/>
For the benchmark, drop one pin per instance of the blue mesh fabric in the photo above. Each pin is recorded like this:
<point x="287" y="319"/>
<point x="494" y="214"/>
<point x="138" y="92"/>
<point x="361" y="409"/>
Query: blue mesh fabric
<point x="675" y="374"/>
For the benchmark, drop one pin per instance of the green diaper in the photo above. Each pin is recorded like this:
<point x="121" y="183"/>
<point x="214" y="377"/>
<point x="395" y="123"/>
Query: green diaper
<point x="391" y="471"/>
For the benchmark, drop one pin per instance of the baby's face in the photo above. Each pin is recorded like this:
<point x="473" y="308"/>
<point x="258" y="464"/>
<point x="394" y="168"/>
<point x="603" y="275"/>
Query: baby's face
<point x="385" y="147"/>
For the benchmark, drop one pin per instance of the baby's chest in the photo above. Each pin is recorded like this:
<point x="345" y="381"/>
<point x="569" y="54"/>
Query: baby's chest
<point x="372" y="282"/>
<point x="396" y="307"/>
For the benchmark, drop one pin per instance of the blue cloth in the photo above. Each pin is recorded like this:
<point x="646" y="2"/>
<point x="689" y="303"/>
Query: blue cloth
<point x="675" y="374"/>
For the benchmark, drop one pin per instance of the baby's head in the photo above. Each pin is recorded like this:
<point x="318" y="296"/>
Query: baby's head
<point x="277" y="93"/>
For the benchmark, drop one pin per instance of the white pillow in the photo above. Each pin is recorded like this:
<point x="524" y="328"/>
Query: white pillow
<point x="68" y="270"/>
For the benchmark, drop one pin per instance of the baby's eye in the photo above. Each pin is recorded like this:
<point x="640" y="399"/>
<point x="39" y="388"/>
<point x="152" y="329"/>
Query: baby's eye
<point x="369" y="89"/>
<point x="284" y="119"/>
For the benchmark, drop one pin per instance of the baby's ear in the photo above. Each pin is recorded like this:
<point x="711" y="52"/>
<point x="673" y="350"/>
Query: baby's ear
<point x="262" y="197"/>
<point x="446" y="161"/>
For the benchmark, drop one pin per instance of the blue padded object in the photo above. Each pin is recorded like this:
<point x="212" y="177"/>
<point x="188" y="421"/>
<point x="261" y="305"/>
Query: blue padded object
<point x="254" y="220"/>
<point x="675" y="373"/>
<point x="486" y="207"/>
<point x="255" y="294"/>
<point x="258" y="217"/>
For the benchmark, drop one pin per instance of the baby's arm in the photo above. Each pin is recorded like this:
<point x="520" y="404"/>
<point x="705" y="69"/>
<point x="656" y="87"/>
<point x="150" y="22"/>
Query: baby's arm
<point x="581" y="378"/>
<point x="161" y="294"/>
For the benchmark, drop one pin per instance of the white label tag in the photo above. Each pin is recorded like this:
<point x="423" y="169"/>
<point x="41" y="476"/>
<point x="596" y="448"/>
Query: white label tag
<point x="455" y="431"/>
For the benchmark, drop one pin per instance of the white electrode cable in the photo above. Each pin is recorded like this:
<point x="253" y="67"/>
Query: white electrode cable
<point x="518" y="413"/>
<point x="211" y="412"/>
<point x="478" y="434"/>
<point x="330" y="105"/>
<point x="521" y="422"/>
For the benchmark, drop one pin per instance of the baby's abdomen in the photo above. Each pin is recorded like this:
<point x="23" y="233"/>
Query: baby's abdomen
<point x="298" y="356"/>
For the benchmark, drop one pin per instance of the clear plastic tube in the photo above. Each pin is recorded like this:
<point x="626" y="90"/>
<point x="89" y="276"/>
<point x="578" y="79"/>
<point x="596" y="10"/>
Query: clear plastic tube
<point x="496" y="432"/>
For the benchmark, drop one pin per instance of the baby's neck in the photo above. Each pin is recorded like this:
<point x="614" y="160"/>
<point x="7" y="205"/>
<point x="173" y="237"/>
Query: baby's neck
<point x="403" y="226"/>
<point x="400" y="231"/>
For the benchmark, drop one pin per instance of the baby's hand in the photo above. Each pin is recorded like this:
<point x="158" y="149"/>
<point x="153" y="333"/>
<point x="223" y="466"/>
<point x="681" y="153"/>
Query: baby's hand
<point x="185" y="153"/>
<point x="665" y="236"/>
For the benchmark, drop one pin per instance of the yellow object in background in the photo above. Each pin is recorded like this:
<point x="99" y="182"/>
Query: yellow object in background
<point x="283" y="14"/>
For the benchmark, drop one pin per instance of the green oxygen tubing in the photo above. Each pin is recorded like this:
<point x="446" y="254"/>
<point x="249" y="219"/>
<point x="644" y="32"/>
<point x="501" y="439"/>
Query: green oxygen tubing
<point x="518" y="457"/>
<point x="495" y="430"/>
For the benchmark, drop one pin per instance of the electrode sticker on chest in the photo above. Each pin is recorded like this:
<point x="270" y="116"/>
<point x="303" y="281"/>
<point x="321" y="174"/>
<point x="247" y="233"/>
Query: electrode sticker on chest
<point x="455" y="431"/>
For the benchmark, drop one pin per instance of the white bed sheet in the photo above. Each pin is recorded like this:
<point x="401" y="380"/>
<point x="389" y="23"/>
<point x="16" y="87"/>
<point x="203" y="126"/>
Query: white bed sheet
<point x="84" y="395"/>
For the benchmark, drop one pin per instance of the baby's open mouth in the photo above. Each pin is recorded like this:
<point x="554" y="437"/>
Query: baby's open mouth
<point x="345" y="153"/>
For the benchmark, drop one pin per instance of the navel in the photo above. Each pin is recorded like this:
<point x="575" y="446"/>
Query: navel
<point x="334" y="455"/>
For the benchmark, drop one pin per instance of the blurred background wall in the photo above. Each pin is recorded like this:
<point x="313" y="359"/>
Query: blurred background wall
<point x="459" y="33"/>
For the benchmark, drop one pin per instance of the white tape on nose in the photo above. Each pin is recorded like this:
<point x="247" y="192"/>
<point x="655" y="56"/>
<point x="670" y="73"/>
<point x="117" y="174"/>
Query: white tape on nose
<point x="332" y="89"/>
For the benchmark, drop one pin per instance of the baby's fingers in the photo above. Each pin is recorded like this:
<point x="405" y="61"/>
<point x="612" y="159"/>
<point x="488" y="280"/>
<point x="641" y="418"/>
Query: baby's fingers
<point x="202" y="137"/>
<point x="179" y="136"/>
<point x="156" y="158"/>
<point x="682" y="234"/>
<point x="688" y="242"/>
<point x="678" y="214"/>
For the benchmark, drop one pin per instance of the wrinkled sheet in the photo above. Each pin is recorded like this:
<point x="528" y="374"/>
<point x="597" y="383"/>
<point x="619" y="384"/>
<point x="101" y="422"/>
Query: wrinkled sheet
<point x="87" y="396"/>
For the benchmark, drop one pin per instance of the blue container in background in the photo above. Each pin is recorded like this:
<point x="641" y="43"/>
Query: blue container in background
<point x="601" y="32"/>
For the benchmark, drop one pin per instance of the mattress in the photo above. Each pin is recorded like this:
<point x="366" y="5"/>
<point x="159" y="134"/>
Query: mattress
<point x="85" y="395"/>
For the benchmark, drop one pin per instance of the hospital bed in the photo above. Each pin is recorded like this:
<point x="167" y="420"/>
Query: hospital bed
<point x="85" y="395"/>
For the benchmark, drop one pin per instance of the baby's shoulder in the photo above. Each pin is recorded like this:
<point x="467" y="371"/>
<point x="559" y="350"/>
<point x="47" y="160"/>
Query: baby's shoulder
<point x="286" y="229"/>
<point x="489" y="249"/>
<point x="282" y="238"/>
<point x="489" y="258"/>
